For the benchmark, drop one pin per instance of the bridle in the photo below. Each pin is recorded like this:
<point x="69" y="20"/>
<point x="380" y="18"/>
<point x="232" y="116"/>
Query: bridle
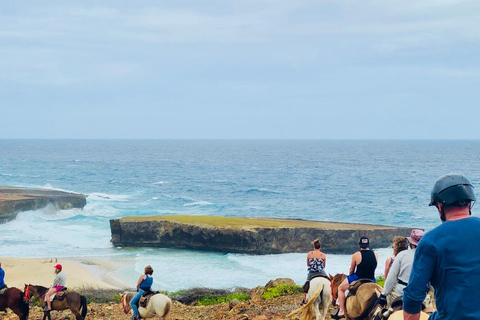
<point x="27" y="296"/>
<point x="125" y="308"/>
<point x="334" y="295"/>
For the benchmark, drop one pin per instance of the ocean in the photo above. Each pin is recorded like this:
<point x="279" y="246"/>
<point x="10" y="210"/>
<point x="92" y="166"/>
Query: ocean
<point x="365" y="181"/>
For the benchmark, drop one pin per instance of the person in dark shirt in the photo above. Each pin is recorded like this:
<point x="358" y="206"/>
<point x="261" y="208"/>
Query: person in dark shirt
<point x="363" y="265"/>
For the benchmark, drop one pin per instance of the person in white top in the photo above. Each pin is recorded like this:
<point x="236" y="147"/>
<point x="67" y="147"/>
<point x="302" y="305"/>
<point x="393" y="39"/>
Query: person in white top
<point x="399" y="273"/>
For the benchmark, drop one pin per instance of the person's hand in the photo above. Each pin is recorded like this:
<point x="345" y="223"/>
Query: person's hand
<point x="382" y="300"/>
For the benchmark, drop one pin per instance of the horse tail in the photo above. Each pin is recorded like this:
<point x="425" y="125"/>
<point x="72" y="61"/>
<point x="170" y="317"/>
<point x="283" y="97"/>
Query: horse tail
<point x="166" y="311"/>
<point x="83" y="302"/>
<point x="24" y="307"/>
<point x="307" y="309"/>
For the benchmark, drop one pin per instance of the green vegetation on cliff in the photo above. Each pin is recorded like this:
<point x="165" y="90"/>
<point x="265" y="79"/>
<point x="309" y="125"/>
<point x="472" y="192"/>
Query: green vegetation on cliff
<point x="246" y="223"/>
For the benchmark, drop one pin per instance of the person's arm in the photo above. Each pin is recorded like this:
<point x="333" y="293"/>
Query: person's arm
<point x="392" y="276"/>
<point x="308" y="258"/>
<point x="387" y="266"/>
<point x="324" y="260"/>
<point x="142" y="277"/>
<point x="424" y="264"/>
<point x="353" y="264"/>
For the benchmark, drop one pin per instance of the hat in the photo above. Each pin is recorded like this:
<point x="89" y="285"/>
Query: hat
<point x="58" y="266"/>
<point x="364" y="242"/>
<point x="415" y="236"/>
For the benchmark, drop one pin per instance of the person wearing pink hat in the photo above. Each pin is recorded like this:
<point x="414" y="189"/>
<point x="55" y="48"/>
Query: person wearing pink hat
<point x="448" y="256"/>
<point x="58" y="283"/>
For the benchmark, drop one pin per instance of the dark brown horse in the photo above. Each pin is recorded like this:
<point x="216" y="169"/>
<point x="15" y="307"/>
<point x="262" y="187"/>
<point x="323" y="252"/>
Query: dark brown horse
<point x="12" y="298"/>
<point x="73" y="301"/>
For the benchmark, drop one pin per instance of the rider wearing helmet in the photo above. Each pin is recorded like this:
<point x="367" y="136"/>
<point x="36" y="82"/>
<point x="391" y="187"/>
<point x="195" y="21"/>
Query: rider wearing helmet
<point x="448" y="256"/>
<point x="58" y="283"/>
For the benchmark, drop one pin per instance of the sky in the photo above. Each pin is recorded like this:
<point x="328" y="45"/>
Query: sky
<point x="245" y="69"/>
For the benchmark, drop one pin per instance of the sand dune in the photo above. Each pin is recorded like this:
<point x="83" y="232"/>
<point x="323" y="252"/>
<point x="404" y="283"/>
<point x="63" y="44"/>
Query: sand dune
<point x="19" y="271"/>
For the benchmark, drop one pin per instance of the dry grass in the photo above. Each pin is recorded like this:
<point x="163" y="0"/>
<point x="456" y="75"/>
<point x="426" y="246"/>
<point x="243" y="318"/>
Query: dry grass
<point x="253" y="223"/>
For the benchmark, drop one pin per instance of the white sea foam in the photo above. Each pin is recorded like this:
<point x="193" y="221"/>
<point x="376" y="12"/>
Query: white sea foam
<point x="198" y="203"/>
<point x="161" y="182"/>
<point x="108" y="197"/>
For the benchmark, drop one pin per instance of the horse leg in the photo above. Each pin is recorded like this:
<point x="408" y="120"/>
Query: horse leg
<point x="326" y="301"/>
<point x="316" y="306"/>
<point x="75" y="310"/>
<point x="46" y="314"/>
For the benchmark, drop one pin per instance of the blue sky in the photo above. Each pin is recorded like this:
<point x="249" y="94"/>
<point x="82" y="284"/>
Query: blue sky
<point x="244" y="69"/>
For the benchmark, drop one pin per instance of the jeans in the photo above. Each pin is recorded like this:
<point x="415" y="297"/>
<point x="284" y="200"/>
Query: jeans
<point x="135" y="300"/>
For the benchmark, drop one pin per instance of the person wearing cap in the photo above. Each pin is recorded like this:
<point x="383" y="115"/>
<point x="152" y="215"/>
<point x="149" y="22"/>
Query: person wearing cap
<point x="2" y="278"/>
<point x="399" y="274"/>
<point x="363" y="265"/>
<point x="448" y="256"/>
<point x="58" y="283"/>
<point x="144" y="284"/>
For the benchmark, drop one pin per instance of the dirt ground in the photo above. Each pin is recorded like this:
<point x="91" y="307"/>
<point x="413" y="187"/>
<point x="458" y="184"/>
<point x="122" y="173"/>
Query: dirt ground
<point x="274" y="309"/>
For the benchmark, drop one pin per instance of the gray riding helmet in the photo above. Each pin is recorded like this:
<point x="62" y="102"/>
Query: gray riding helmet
<point x="452" y="188"/>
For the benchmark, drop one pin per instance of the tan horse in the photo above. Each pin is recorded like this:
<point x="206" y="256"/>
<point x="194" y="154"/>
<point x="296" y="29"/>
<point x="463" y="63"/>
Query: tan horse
<point x="358" y="306"/>
<point x="158" y="305"/>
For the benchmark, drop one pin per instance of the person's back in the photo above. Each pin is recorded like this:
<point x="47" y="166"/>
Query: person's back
<point x="366" y="268"/>
<point x="454" y="263"/>
<point x="448" y="256"/>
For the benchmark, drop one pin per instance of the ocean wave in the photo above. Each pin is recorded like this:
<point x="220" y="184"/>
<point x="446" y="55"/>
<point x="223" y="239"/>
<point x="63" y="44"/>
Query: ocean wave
<point x="108" y="197"/>
<point x="261" y="190"/>
<point x="198" y="203"/>
<point x="161" y="182"/>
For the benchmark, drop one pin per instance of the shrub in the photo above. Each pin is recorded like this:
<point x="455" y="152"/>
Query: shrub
<point x="281" y="290"/>
<point x="206" y="301"/>
<point x="381" y="281"/>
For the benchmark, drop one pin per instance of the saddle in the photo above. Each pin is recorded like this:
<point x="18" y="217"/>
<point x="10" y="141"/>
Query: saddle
<point x="145" y="298"/>
<point x="3" y="289"/>
<point x="306" y="286"/>
<point x="59" y="295"/>
<point x="352" y="289"/>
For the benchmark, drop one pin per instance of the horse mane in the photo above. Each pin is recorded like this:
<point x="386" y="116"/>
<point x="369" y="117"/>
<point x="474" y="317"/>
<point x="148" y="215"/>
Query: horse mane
<point x="41" y="290"/>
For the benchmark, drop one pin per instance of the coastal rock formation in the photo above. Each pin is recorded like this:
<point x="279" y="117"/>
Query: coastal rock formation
<point x="246" y="235"/>
<point x="14" y="200"/>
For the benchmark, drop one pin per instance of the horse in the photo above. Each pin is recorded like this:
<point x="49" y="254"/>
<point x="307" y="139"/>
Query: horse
<point x="73" y="301"/>
<point x="12" y="298"/>
<point x="158" y="305"/>
<point x="319" y="293"/>
<point x="359" y="305"/>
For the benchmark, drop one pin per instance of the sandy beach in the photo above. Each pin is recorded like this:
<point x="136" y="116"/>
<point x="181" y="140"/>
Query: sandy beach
<point x="80" y="273"/>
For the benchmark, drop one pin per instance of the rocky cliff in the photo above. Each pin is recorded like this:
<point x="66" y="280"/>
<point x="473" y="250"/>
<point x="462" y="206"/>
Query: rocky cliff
<point x="14" y="200"/>
<point x="246" y="235"/>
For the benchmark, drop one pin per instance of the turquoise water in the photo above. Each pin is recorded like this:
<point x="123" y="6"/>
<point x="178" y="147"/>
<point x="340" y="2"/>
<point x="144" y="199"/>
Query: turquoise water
<point x="379" y="182"/>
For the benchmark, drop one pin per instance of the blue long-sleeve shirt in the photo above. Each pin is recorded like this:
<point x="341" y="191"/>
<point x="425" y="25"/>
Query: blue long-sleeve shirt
<point x="2" y="277"/>
<point x="449" y="258"/>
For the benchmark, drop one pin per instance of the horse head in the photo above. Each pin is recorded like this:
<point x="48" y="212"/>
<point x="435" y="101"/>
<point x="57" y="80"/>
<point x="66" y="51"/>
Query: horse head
<point x="126" y="297"/>
<point x="336" y="281"/>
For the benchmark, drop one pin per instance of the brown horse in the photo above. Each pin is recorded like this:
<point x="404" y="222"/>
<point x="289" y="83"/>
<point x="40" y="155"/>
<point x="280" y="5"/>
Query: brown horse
<point x="12" y="298"/>
<point x="359" y="305"/>
<point x="73" y="301"/>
